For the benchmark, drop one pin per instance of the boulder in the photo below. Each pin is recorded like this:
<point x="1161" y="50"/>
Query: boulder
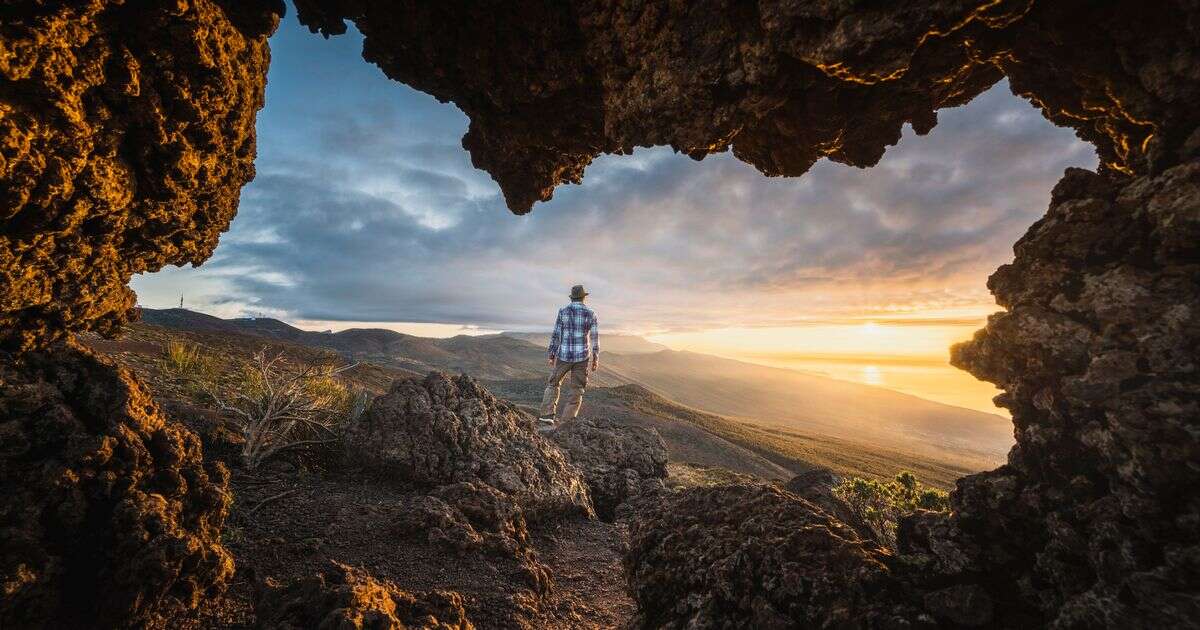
<point x="345" y="598"/>
<point x="110" y="516"/>
<point x="441" y="430"/>
<point x="816" y="486"/>
<point x="754" y="556"/>
<point x="617" y="460"/>
<point x="466" y="516"/>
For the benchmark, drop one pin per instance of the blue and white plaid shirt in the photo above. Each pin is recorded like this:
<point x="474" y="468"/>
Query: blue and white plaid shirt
<point x="575" y="327"/>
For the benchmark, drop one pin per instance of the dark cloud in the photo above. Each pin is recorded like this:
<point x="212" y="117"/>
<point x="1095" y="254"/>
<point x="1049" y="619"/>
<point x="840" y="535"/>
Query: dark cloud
<point x="367" y="209"/>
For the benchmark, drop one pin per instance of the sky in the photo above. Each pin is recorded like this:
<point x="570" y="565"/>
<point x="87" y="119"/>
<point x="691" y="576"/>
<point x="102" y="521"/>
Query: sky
<point x="366" y="211"/>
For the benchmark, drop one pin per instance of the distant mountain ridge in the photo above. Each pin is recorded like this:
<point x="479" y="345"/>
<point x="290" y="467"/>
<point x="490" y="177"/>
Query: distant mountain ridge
<point x="776" y="399"/>
<point x="486" y="357"/>
<point x="611" y="342"/>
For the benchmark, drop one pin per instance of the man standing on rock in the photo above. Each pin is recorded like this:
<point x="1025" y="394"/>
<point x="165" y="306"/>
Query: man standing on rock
<point x="576" y="339"/>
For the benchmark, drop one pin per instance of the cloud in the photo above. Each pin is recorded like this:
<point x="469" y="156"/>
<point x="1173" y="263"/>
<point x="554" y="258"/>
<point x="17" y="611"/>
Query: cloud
<point x="367" y="209"/>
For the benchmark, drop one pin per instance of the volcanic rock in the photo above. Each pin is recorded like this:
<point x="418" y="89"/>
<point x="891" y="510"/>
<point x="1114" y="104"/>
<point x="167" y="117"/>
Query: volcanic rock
<point x="1098" y="354"/>
<point x="110" y="516"/>
<point x="345" y="598"/>
<point x="548" y="86"/>
<point x="754" y="556"/>
<point x="816" y="487"/>
<point x="127" y="129"/>
<point x="466" y="516"/>
<point x="616" y="460"/>
<point x="441" y="430"/>
<point x="126" y="134"/>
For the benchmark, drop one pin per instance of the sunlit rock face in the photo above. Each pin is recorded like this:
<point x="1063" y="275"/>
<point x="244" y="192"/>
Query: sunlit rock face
<point x="550" y="85"/>
<point x="126" y="134"/>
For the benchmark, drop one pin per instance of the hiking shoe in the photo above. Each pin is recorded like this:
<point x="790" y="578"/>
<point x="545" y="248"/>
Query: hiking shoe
<point x="547" y="421"/>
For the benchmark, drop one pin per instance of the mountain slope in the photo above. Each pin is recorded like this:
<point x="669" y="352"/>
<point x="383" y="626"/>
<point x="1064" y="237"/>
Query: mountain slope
<point x="789" y="405"/>
<point x="687" y="441"/>
<point x="487" y="357"/>
<point x="797" y="401"/>
<point x="622" y="344"/>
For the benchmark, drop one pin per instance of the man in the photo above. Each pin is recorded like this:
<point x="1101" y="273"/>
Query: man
<point x="576" y="339"/>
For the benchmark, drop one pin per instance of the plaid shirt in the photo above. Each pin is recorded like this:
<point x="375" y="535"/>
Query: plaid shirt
<point x="575" y="327"/>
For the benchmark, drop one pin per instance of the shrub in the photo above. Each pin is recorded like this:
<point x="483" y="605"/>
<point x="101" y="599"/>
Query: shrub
<point x="280" y="407"/>
<point x="881" y="504"/>
<point x="191" y="363"/>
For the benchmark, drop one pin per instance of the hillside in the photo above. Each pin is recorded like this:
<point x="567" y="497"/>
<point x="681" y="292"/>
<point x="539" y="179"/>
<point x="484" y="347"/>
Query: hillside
<point x="687" y="442"/>
<point x="794" y="401"/>
<point x="622" y="344"/>
<point x="706" y="439"/>
<point x="487" y="357"/>
<point x="792" y="415"/>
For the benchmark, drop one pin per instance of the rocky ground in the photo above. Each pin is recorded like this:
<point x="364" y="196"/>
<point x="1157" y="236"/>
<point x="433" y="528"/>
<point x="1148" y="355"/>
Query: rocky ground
<point x="354" y="520"/>
<point x="443" y="495"/>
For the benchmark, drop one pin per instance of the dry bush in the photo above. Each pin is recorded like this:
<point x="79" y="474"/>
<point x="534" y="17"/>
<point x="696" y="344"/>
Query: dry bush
<point x="881" y="504"/>
<point x="280" y="407"/>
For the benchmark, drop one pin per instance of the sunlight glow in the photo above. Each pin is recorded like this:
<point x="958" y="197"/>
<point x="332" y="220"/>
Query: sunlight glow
<point x="871" y="375"/>
<point x="907" y="352"/>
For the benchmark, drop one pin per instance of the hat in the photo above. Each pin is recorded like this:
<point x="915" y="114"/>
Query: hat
<point x="577" y="292"/>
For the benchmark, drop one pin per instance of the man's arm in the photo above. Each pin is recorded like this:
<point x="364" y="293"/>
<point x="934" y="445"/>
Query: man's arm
<point x="555" y="338"/>
<point x="595" y="341"/>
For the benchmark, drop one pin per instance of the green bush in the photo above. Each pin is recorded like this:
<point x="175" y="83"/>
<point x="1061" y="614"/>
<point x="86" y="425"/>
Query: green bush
<point x="881" y="504"/>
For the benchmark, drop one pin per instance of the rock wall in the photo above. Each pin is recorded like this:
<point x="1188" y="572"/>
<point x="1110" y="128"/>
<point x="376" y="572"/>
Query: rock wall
<point x="110" y="517"/>
<point x="126" y="134"/>
<point x="550" y="85"/>
<point x="1098" y="354"/>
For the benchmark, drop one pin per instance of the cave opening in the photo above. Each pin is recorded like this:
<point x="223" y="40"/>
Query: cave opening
<point x="128" y="136"/>
<point x="865" y="276"/>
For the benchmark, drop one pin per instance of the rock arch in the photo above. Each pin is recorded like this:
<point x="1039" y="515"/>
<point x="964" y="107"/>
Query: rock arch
<point x="127" y="130"/>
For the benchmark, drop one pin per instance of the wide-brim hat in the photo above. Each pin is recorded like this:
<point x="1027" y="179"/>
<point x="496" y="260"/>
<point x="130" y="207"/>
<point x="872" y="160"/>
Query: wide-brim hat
<point x="577" y="292"/>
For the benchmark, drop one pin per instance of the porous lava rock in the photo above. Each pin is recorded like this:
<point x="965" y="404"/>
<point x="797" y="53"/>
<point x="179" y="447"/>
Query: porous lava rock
<point x="548" y="86"/>
<point x="617" y="460"/>
<point x="110" y="517"/>
<point x="755" y="556"/>
<point x="473" y="516"/>
<point x="1095" y="521"/>
<point x="441" y="430"/>
<point x="126" y="134"/>
<point x="816" y="486"/>
<point x="347" y="598"/>
<point x="465" y="516"/>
